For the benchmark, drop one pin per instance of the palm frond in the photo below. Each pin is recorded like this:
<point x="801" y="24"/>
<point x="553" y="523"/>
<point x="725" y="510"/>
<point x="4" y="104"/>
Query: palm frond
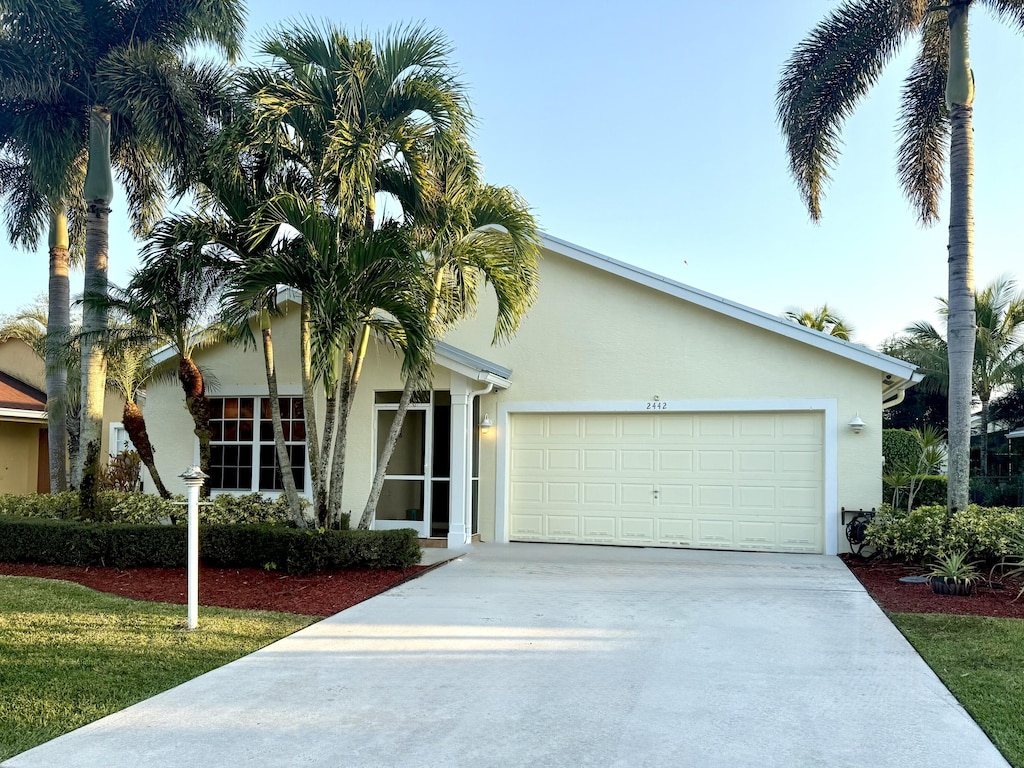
<point x="828" y="74"/>
<point x="924" y="120"/>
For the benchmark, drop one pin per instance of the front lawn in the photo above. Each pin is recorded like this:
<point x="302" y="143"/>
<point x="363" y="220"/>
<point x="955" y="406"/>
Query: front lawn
<point x="981" y="660"/>
<point x="70" y="655"/>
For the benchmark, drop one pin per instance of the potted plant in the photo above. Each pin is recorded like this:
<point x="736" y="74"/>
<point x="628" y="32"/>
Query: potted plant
<point x="953" y="575"/>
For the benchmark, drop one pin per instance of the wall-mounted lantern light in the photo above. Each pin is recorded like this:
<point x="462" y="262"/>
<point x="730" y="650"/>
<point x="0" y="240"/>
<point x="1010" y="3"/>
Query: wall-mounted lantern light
<point x="486" y="424"/>
<point x="857" y="424"/>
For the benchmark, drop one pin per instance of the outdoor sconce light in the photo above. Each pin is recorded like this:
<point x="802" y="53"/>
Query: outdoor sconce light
<point x="486" y="424"/>
<point x="857" y="424"/>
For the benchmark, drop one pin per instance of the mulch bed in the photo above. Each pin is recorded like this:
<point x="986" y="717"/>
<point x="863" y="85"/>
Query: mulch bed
<point x="881" y="578"/>
<point x="321" y="594"/>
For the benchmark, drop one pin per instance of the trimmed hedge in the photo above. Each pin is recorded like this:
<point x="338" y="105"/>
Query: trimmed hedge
<point x="927" y="533"/>
<point x="900" y="449"/>
<point x="60" y="542"/>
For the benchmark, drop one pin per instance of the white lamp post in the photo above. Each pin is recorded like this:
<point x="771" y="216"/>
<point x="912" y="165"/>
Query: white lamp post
<point x="193" y="477"/>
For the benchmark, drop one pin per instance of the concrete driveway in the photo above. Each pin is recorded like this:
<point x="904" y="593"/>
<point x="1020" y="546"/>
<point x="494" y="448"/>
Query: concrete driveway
<point x="552" y="655"/>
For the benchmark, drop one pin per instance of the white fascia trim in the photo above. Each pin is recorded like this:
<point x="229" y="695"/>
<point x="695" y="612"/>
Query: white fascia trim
<point x="756" y="317"/>
<point x="829" y="407"/>
<point x="17" y="414"/>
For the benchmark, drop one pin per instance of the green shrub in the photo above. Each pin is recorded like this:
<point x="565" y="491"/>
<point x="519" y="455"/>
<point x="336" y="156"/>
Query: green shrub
<point x="59" y="542"/>
<point x="996" y="492"/>
<point x="899" y="448"/>
<point x="248" y="508"/>
<point x="926" y="533"/>
<point x="58" y="506"/>
<point x="932" y="491"/>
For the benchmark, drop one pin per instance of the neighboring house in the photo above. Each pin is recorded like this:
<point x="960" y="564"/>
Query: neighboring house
<point x="629" y="409"/>
<point x="24" y="447"/>
<point x="24" y="467"/>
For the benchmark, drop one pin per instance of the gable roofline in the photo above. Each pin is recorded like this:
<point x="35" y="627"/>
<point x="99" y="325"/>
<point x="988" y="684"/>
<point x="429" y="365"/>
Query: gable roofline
<point x="905" y="374"/>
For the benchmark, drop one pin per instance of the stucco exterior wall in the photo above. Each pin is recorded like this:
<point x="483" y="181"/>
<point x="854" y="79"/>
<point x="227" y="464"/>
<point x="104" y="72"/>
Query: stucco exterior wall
<point x="19" y="457"/>
<point x="19" y="360"/>
<point x="590" y="337"/>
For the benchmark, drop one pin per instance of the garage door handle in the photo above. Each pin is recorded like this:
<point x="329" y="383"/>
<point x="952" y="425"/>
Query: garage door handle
<point x="655" y="493"/>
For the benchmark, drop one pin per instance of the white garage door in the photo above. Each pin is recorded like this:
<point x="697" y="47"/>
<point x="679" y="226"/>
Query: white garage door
<point x="747" y="481"/>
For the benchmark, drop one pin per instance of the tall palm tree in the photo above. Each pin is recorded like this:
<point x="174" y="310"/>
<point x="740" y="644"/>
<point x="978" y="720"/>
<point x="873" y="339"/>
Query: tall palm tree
<point x="825" y="78"/>
<point x="112" y="91"/>
<point x="469" y="234"/>
<point x="822" y="319"/>
<point x="349" y="112"/>
<point x="998" y="348"/>
<point x="364" y="280"/>
<point x="235" y="180"/>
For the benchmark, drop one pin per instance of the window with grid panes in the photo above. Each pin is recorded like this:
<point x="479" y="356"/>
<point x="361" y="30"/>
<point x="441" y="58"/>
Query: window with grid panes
<point x="242" y="452"/>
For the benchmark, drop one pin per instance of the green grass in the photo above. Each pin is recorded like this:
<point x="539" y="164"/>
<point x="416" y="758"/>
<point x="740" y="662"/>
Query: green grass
<point x="981" y="661"/>
<point x="70" y="655"/>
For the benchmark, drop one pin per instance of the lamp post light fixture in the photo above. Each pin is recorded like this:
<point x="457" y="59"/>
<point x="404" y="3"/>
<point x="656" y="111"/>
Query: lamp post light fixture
<point x="194" y="478"/>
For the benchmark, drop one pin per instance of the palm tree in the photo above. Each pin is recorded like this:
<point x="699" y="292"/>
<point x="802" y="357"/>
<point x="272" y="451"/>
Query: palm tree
<point x="350" y="113"/>
<point x="112" y="92"/>
<point x="234" y="180"/>
<point x="822" y="319"/>
<point x="998" y="349"/>
<point x="468" y="233"/>
<point x="349" y="282"/>
<point x="170" y="301"/>
<point x="823" y="80"/>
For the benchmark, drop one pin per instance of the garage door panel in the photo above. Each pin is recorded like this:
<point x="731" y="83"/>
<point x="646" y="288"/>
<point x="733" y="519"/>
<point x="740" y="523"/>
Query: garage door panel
<point x="747" y="481"/>
<point x="637" y="460"/>
<point x="752" y="462"/>
<point x="675" y="495"/>
<point x="562" y="526"/>
<point x="753" y="497"/>
<point x="527" y="458"/>
<point x="715" y="496"/>
<point x="633" y="493"/>
<point x="563" y="493"/>
<point x="599" y="493"/>
<point x="599" y="460"/>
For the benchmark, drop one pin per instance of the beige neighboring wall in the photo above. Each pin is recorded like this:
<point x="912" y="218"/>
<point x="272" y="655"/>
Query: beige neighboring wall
<point x="595" y="337"/>
<point x="19" y="457"/>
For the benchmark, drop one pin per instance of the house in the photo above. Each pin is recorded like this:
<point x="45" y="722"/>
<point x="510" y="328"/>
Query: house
<point x="629" y="409"/>
<point x="24" y="443"/>
<point x="24" y="466"/>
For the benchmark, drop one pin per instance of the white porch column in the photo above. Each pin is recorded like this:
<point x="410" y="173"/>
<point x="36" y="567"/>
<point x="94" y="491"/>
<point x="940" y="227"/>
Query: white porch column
<point x="460" y="503"/>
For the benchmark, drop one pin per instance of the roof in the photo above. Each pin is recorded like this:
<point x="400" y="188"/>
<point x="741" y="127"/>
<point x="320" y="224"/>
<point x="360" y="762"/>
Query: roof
<point x="896" y="374"/>
<point x="19" y="401"/>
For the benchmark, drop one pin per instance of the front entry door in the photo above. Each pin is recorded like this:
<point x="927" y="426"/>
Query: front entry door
<point x="415" y="493"/>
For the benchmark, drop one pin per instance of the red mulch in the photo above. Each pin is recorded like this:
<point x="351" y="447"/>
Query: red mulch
<point x="320" y="594"/>
<point x="881" y="578"/>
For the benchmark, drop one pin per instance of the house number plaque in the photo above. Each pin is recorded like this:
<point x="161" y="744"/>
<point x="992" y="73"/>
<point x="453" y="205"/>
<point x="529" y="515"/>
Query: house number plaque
<point x="656" y="405"/>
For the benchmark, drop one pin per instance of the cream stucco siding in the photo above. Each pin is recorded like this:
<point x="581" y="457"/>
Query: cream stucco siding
<point x="592" y="336"/>
<point x="19" y="457"/>
<point x="597" y="341"/>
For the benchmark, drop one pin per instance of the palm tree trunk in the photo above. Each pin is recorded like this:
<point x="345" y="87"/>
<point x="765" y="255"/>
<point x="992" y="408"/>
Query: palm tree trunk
<point x="308" y="400"/>
<point x="99" y="191"/>
<point x="198" y="405"/>
<point x="283" y="460"/>
<point x="961" y="319"/>
<point x="330" y="418"/>
<point x="340" y="441"/>
<point x="58" y="334"/>
<point x="396" y="426"/>
<point x="135" y="426"/>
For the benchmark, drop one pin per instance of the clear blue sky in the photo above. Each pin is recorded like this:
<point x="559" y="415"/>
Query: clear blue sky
<point x="646" y="131"/>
